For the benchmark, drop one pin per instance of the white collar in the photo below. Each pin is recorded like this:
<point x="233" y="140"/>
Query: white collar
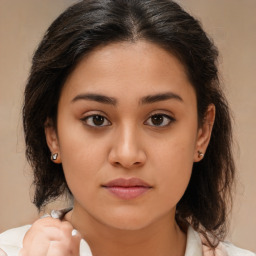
<point x="194" y="243"/>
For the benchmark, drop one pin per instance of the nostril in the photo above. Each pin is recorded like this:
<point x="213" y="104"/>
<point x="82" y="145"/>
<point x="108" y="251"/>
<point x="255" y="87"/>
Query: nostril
<point x="126" y="157"/>
<point x="118" y="164"/>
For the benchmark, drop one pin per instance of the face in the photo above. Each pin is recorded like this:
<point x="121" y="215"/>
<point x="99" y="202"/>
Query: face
<point x="127" y="134"/>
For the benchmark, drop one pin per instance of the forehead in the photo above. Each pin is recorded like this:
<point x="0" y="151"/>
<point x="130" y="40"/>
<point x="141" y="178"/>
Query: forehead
<point x="135" y="69"/>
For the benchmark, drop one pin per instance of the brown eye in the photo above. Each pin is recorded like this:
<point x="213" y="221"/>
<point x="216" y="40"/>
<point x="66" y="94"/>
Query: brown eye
<point x="157" y="120"/>
<point x="160" y="120"/>
<point x="96" y="120"/>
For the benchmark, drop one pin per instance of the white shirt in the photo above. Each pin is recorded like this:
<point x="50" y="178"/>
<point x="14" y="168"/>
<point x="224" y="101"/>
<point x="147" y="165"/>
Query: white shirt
<point x="11" y="243"/>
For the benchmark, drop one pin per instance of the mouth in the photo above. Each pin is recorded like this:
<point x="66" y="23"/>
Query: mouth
<point x="127" y="189"/>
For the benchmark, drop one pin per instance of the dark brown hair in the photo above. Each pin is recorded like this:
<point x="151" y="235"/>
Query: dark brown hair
<point x="92" y="23"/>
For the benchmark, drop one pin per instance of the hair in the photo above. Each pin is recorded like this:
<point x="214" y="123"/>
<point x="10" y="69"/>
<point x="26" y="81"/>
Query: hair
<point x="93" y="23"/>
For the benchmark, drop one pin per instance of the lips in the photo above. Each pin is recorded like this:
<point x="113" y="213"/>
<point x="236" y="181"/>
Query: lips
<point x="127" y="188"/>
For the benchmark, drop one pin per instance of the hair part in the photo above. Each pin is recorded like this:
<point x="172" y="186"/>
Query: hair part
<point x="93" y="23"/>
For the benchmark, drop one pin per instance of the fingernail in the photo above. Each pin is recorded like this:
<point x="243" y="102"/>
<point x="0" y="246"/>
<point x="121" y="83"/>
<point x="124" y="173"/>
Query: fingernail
<point x="74" y="232"/>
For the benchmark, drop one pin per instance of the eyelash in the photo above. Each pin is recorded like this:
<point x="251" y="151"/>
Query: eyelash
<point x="165" y="118"/>
<point x="85" y="120"/>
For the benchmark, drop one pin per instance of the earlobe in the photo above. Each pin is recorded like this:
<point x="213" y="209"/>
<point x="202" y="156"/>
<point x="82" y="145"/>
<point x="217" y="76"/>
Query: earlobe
<point x="52" y="141"/>
<point x="204" y="133"/>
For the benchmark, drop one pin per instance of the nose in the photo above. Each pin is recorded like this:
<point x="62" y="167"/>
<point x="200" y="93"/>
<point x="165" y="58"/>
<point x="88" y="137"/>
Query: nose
<point x="127" y="150"/>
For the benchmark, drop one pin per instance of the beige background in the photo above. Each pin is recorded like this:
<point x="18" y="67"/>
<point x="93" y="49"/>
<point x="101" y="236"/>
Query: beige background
<point x="231" y="23"/>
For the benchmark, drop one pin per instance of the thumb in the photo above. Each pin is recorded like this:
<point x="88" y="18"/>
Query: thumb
<point x="76" y="238"/>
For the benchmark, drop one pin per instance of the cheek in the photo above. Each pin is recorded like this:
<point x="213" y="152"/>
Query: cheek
<point x="174" y="159"/>
<point x="176" y="151"/>
<point x="78" y="146"/>
<point x="82" y="157"/>
<point x="173" y="184"/>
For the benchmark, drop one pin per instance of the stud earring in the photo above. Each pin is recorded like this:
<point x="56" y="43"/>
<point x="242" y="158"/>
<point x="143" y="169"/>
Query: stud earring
<point x="54" y="156"/>
<point x="200" y="153"/>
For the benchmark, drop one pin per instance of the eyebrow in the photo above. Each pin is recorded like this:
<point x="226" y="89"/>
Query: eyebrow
<point x="96" y="97"/>
<point x="112" y="101"/>
<point x="160" y="97"/>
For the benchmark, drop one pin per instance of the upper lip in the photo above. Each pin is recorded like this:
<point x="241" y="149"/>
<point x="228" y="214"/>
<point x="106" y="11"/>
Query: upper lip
<point x="131" y="182"/>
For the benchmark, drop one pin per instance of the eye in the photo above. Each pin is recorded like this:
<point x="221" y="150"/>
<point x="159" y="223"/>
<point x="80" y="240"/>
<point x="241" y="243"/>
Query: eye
<point x="160" y="120"/>
<point x="96" y="121"/>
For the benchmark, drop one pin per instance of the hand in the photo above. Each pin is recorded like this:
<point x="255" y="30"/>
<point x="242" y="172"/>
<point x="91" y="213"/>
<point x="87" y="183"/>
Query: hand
<point x="51" y="237"/>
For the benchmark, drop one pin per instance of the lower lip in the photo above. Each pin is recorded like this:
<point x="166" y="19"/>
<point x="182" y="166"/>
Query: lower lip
<point x="127" y="193"/>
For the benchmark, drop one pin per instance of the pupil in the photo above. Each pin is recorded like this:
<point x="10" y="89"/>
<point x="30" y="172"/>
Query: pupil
<point x="157" y="120"/>
<point x="98" y="120"/>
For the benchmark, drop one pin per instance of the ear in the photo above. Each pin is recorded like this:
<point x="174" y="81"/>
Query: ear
<point x="204" y="133"/>
<point x="52" y="141"/>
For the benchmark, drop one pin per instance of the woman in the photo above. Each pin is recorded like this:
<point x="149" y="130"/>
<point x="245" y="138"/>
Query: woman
<point x="124" y="112"/>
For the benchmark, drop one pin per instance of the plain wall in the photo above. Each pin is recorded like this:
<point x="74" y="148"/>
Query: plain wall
<point x="231" y="23"/>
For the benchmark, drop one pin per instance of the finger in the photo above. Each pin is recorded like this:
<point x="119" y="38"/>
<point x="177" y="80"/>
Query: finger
<point x="44" y="227"/>
<point x="38" y="250"/>
<point x="47" y="221"/>
<point x="51" y="237"/>
<point x="76" y="238"/>
<point x="68" y="246"/>
<point x="70" y="240"/>
<point x="37" y="240"/>
<point x="66" y="228"/>
<point x="57" y="248"/>
<point x="36" y="236"/>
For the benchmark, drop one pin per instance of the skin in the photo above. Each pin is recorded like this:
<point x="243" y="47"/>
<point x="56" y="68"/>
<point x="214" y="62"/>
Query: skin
<point x="51" y="237"/>
<point x="128" y="143"/>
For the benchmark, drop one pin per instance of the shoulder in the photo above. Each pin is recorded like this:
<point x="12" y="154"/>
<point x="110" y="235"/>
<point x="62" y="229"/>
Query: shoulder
<point x="223" y="248"/>
<point x="11" y="240"/>
<point x="232" y="250"/>
<point x="226" y="249"/>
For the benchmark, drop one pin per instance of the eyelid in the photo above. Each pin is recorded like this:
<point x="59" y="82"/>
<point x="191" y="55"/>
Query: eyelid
<point x="170" y="117"/>
<point x="85" y="118"/>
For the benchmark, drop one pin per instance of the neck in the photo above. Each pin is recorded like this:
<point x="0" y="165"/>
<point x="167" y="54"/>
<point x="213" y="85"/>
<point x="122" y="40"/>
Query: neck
<point x="163" y="237"/>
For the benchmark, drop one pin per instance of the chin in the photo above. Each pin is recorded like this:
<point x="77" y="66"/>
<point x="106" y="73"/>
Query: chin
<point x="129" y="225"/>
<point x="128" y="221"/>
